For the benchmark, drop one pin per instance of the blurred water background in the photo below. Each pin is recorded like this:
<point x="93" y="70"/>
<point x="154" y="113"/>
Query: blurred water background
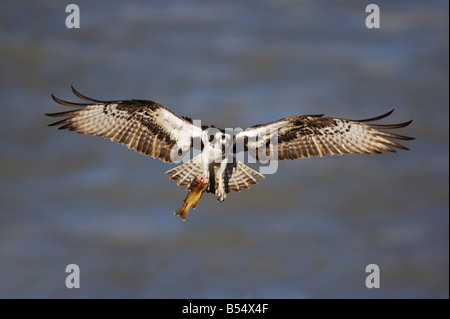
<point x="308" y="231"/>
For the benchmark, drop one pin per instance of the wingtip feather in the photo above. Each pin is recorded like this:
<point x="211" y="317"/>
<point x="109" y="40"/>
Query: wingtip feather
<point x="377" y="117"/>
<point x="83" y="97"/>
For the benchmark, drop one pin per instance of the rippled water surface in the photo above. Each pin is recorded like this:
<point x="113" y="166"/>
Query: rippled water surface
<point x="308" y="231"/>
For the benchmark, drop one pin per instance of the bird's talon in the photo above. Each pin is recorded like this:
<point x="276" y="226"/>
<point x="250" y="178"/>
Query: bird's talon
<point x="220" y="194"/>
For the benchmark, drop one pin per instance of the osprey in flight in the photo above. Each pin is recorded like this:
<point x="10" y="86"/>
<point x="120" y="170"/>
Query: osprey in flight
<point x="151" y="129"/>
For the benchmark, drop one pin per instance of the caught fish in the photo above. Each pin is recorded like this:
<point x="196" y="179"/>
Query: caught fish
<point x="196" y="190"/>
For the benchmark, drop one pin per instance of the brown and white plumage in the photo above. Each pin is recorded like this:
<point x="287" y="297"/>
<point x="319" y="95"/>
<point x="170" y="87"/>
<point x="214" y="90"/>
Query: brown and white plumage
<point x="144" y="126"/>
<point x="237" y="175"/>
<point x="314" y="135"/>
<point x="151" y="129"/>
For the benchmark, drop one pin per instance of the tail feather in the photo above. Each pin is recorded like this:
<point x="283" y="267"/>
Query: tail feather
<point x="186" y="172"/>
<point x="237" y="175"/>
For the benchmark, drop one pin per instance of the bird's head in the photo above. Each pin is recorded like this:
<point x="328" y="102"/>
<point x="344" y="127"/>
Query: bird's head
<point x="217" y="137"/>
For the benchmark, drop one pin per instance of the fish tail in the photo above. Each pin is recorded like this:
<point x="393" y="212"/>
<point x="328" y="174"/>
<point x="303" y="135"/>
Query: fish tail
<point x="183" y="211"/>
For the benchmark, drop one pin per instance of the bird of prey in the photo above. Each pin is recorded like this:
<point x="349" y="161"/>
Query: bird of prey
<point x="152" y="129"/>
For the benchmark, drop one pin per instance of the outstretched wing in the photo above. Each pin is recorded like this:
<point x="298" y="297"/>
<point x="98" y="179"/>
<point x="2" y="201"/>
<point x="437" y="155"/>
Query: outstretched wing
<point x="144" y="126"/>
<point x="313" y="135"/>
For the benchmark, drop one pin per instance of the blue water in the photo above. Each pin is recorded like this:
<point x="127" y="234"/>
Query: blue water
<point x="308" y="231"/>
